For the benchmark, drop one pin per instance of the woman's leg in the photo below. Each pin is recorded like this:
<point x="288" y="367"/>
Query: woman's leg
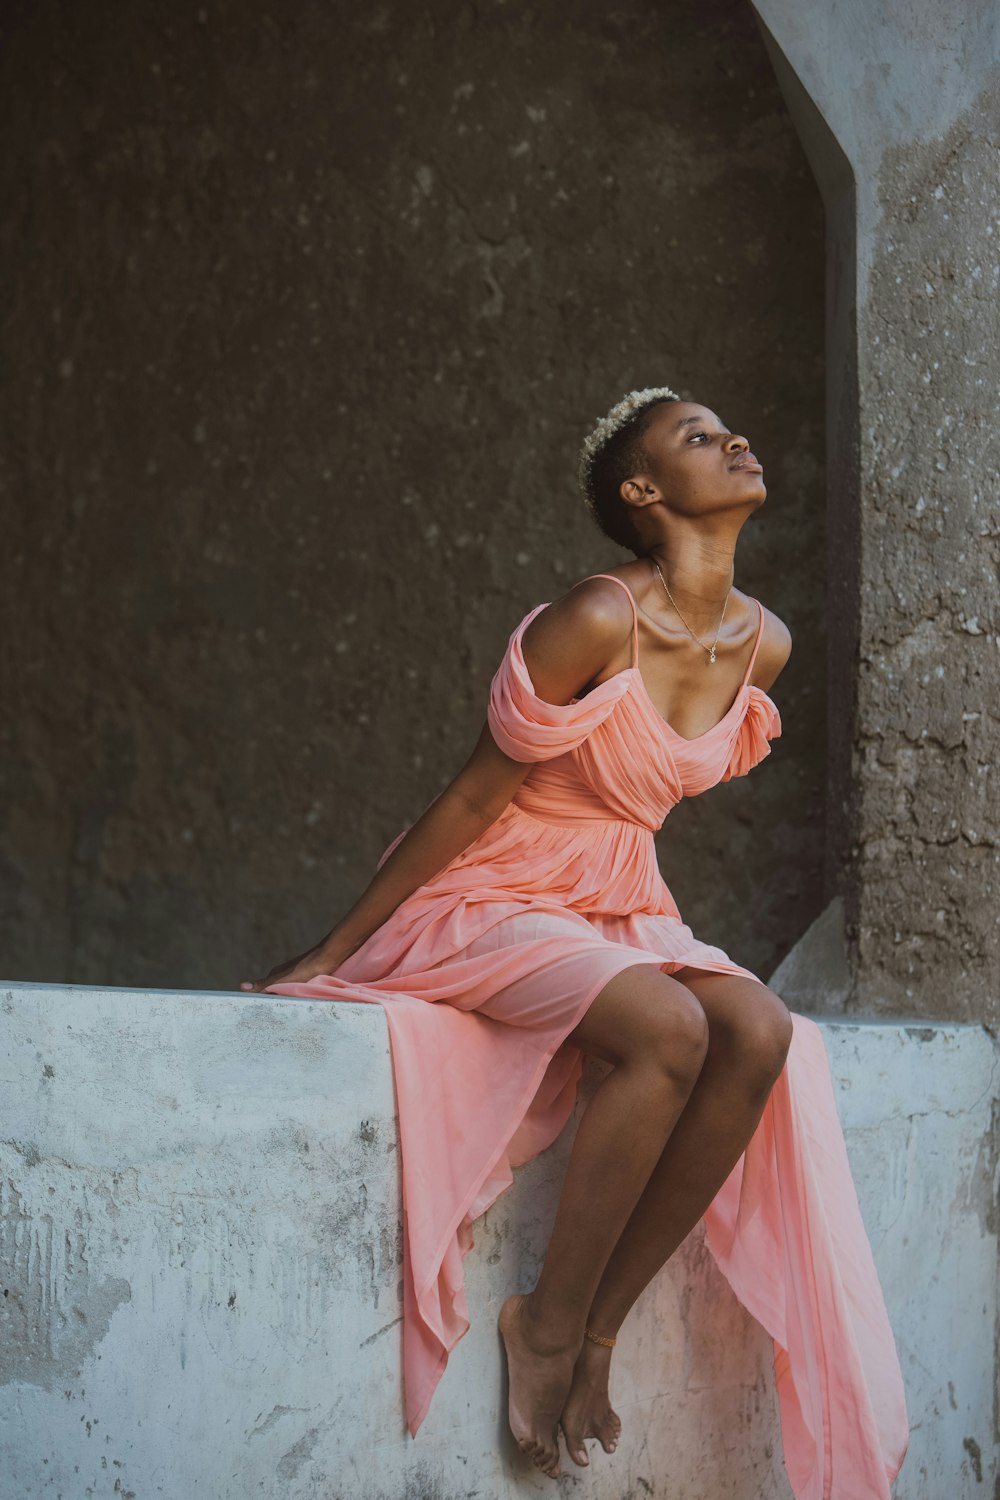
<point x="749" y="1034"/>
<point x="655" y="1031"/>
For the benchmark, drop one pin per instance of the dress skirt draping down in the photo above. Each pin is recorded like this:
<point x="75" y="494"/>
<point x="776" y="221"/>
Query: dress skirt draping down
<point x="485" y="970"/>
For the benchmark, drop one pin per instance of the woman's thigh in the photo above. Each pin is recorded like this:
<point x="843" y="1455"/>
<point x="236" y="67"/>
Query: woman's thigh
<point x="561" y="964"/>
<point x="613" y="1001"/>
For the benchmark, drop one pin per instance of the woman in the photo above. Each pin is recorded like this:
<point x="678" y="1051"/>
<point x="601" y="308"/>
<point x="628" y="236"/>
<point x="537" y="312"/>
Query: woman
<point x="527" y="903"/>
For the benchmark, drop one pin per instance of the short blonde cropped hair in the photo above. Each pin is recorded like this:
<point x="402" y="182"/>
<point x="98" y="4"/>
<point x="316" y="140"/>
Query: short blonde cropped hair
<point x="609" y="454"/>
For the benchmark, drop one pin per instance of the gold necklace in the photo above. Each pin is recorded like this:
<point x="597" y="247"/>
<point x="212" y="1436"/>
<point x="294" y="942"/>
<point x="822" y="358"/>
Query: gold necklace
<point x="709" y="649"/>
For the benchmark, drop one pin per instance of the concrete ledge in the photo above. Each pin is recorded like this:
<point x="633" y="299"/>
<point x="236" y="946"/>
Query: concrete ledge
<point x="200" y="1251"/>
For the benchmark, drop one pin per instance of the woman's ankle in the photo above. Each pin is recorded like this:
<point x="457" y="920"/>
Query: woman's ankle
<point x="605" y="1324"/>
<point x="548" y="1331"/>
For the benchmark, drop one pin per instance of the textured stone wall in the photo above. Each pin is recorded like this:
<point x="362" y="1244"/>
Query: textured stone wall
<point x="306" y="313"/>
<point x="900" y="114"/>
<point x="928" y="750"/>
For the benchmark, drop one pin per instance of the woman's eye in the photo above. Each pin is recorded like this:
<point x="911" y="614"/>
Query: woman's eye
<point x="699" y="434"/>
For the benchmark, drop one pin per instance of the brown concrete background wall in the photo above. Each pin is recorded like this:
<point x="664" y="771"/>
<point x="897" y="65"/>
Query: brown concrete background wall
<point x="307" y="313"/>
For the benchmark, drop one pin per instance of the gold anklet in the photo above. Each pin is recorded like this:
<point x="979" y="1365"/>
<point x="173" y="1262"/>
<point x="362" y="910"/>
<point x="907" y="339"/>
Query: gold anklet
<point x="600" y="1339"/>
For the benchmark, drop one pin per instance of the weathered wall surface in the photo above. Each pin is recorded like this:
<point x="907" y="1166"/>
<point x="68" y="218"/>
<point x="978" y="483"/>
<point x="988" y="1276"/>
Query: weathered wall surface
<point x="200" y="1254"/>
<point x="912" y="99"/>
<point x="306" y="316"/>
<point x="928" y="752"/>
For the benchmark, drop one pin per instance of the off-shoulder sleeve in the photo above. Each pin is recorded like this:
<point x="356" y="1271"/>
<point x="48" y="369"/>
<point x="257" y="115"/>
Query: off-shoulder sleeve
<point x="760" y="725"/>
<point x="528" y="728"/>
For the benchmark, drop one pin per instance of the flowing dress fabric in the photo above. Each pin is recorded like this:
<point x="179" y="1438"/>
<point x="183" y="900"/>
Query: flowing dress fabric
<point x="485" y="970"/>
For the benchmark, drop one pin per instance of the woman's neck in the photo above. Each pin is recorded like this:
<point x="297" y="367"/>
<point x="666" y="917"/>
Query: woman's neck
<point x="700" y="582"/>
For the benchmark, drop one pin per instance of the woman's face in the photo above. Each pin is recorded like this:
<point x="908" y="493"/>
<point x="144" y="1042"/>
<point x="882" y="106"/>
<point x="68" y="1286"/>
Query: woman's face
<point x="696" y="463"/>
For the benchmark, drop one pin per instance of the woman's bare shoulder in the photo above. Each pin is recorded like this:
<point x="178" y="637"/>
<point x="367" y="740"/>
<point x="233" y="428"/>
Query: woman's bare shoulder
<point x="594" y="610"/>
<point x="572" y="639"/>
<point x="775" y="649"/>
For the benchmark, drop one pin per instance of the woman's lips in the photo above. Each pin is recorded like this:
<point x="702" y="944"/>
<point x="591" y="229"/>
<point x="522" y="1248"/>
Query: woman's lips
<point x="747" y="463"/>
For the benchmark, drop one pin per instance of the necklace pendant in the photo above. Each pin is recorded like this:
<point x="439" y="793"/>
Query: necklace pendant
<point x="711" y="654"/>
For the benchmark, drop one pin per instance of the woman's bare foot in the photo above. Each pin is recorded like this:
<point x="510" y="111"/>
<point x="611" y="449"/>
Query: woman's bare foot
<point x="539" y="1382"/>
<point x="588" y="1411"/>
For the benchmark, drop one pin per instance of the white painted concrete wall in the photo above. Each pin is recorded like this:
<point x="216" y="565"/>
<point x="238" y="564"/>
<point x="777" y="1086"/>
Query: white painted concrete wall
<point x="200" y="1254"/>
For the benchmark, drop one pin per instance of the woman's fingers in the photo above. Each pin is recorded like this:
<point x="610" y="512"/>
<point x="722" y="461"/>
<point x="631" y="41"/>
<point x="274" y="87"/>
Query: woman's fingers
<point x="295" y="971"/>
<point x="286" y="973"/>
<point x="259" y="985"/>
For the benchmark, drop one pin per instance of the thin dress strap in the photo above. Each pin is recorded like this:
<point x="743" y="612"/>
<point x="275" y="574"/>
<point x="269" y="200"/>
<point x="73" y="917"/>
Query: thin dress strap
<point x="635" y="612"/>
<point x="756" y="648"/>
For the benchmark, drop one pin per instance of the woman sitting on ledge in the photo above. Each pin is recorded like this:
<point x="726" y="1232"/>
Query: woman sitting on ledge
<point x="522" y="921"/>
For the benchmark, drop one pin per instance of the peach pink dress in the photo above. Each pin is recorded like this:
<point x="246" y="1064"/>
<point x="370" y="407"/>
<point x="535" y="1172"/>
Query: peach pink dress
<point x="485" y="970"/>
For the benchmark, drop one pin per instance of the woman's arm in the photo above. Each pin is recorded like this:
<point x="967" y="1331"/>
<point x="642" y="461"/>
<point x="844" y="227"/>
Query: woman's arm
<point x="465" y="809"/>
<point x="455" y="819"/>
<point x="563" y="654"/>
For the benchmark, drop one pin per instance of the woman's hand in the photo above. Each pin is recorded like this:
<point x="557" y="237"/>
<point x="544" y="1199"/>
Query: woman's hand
<point x="325" y="958"/>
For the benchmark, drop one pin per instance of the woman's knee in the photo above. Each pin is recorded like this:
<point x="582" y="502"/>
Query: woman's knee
<point x="645" y="1018"/>
<point x="679" y="1035"/>
<point x="765" y="1035"/>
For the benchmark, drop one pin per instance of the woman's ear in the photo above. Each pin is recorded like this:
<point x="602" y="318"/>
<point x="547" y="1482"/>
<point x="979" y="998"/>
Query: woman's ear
<point x="640" y="491"/>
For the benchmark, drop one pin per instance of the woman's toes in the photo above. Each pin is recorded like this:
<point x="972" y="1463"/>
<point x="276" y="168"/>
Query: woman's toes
<point x="608" y="1430"/>
<point x="576" y="1449"/>
<point x="609" y="1426"/>
<point x="540" y="1458"/>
